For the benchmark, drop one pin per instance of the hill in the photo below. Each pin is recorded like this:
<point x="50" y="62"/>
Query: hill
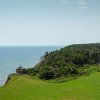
<point x="24" y="88"/>
<point x="73" y="60"/>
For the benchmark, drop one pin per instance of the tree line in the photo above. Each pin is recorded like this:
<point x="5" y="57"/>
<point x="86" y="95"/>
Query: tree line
<point x="68" y="61"/>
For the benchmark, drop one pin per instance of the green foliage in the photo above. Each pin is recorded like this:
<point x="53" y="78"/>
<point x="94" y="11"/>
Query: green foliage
<point x="47" y="73"/>
<point x="68" y="61"/>
<point x="30" y="71"/>
<point x="21" y="70"/>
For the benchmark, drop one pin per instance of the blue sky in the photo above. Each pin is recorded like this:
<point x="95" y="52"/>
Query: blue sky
<point x="49" y="22"/>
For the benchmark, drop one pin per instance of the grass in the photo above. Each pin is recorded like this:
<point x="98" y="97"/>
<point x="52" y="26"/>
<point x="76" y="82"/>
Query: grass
<point x="25" y="88"/>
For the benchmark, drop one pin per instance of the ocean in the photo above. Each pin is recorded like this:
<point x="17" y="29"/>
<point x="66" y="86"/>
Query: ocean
<point x="13" y="57"/>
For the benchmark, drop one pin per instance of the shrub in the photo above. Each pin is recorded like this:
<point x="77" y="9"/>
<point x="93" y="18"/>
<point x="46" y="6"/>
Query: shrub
<point x="21" y="70"/>
<point x="47" y="73"/>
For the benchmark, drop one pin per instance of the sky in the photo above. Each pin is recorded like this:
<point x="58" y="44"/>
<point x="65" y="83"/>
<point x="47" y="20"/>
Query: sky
<point x="49" y="22"/>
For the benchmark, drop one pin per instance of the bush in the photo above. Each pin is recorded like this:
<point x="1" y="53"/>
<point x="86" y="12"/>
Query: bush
<point x="21" y="70"/>
<point x="47" y="73"/>
<point x="30" y="71"/>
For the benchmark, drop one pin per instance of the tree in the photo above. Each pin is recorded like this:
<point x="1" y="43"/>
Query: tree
<point x="47" y="73"/>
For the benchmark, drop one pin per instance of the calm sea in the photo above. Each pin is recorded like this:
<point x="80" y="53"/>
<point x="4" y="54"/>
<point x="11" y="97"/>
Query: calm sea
<point x="13" y="57"/>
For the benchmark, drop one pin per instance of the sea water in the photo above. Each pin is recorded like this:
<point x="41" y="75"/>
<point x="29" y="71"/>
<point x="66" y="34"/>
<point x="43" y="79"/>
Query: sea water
<point x="13" y="57"/>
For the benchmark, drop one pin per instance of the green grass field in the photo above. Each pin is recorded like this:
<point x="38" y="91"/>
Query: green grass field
<point x="24" y="88"/>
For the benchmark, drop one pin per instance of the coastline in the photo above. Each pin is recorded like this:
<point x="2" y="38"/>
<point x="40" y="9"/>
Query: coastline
<point x="26" y="56"/>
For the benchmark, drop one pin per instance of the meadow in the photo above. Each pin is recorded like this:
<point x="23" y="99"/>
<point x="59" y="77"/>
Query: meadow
<point x="22" y="87"/>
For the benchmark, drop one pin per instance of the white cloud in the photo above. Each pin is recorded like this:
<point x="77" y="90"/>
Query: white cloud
<point x="62" y="2"/>
<point x="82" y="4"/>
<point x="93" y="18"/>
<point x="83" y="7"/>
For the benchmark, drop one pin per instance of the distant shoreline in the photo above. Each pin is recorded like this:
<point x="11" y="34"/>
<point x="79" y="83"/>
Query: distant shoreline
<point x="12" y="57"/>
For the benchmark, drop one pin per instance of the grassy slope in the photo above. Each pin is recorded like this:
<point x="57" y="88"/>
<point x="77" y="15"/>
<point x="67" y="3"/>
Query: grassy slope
<point x="23" y="88"/>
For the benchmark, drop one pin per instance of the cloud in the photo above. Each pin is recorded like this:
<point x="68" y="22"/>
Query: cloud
<point x="62" y="2"/>
<point x="83" y="7"/>
<point x="82" y="4"/>
<point x="91" y="18"/>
